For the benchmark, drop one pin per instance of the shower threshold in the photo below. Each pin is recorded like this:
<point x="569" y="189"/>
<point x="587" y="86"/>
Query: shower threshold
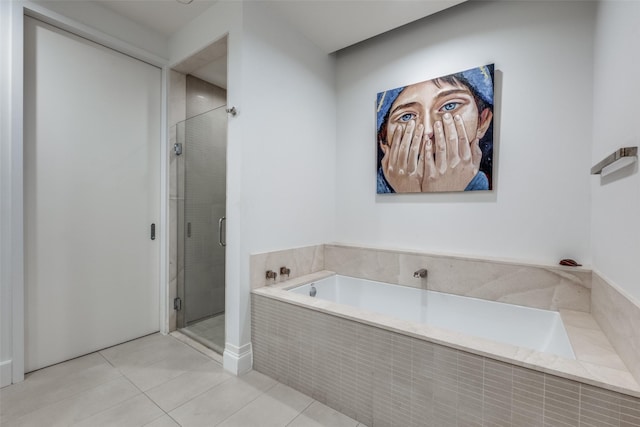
<point x="208" y="332"/>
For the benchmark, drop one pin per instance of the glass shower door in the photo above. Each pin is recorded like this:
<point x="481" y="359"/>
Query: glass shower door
<point x="204" y="153"/>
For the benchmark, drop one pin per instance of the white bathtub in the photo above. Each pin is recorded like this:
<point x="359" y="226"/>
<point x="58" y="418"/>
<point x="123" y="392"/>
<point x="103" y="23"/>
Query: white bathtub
<point x="536" y="329"/>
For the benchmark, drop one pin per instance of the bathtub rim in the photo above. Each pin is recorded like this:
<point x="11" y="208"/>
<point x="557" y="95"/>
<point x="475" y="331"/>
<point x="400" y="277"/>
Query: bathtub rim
<point x="576" y="370"/>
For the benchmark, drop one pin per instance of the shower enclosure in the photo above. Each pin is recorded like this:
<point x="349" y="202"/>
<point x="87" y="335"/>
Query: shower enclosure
<point x="201" y="147"/>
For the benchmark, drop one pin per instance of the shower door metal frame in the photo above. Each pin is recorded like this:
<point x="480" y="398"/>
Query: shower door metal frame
<point x="183" y="228"/>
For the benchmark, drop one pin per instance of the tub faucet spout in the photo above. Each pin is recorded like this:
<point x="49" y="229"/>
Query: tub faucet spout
<point x="422" y="273"/>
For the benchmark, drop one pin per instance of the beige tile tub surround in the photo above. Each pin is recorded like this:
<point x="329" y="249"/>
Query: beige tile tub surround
<point x="596" y="362"/>
<point x="603" y="366"/>
<point x="546" y="287"/>
<point x="301" y="261"/>
<point x="619" y="317"/>
<point x="382" y="378"/>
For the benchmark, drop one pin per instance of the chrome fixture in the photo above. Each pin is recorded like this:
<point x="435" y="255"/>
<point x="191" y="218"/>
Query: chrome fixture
<point x="313" y="291"/>
<point x="232" y="111"/>
<point x="221" y="242"/>
<point x="422" y="273"/>
<point x="177" y="147"/>
<point x="615" y="161"/>
<point x="284" y="271"/>
<point x="271" y="274"/>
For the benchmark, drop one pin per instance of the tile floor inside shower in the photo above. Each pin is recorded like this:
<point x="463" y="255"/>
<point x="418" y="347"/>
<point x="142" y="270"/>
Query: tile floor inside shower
<point x="157" y="381"/>
<point x="209" y="332"/>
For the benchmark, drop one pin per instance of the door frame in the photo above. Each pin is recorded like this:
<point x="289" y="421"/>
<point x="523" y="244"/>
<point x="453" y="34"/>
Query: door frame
<point x="13" y="191"/>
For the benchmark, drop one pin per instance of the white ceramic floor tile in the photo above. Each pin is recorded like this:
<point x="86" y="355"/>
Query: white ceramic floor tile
<point x="164" y="421"/>
<point x="90" y="391"/>
<point x="144" y="352"/>
<point x="135" y="412"/>
<point x="56" y="383"/>
<point x="64" y="369"/>
<point x="275" y="408"/>
<point x="180" y="360"/>
<point x="185" y="387"/>
<point x="222" y="401"/>
<point x="77" y="408"/>
<point x="319" y="415"/>
<point x="120" y="353"/>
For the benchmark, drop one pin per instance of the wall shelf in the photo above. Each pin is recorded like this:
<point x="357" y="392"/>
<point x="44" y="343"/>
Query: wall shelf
<point x="615" y="161"/>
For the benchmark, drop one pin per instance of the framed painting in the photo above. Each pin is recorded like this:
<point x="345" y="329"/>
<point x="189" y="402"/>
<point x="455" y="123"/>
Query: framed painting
<point x="436" y="135"/>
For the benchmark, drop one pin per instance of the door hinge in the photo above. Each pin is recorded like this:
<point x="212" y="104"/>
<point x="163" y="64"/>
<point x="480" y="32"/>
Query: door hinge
<point x="177" y="304"/>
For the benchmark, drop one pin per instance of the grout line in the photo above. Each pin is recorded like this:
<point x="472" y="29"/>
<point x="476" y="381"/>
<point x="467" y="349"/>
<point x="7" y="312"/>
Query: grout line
<point x="184" y="403"/>
<point x="133" y="384"/>
<point x="73" y="395"/>
<point x="156" y="419"/>
<point x="158" y="406"/>
<point x="249" y="402"/>
<point x="301" y="412"/>
<point x="109" y="362"/>
<point x="198" y="395"/>
<point x="107" y="409"/>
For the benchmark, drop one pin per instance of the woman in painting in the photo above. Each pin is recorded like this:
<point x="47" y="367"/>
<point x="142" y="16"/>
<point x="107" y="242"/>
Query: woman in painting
<point x="436" y="135"/>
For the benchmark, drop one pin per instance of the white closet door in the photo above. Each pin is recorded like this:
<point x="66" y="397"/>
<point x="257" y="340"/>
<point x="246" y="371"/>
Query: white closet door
<point x="92" y="162"/>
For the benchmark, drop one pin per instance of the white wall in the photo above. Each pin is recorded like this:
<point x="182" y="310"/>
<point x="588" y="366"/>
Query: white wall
<point x="288" y="144"/>
<point x="616" y="200"/>
<point x="539" y="209"/>
<point x="5" y="195"/>
<point x="289" y="148"/>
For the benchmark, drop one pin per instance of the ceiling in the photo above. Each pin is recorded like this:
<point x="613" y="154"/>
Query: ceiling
<point x="327" y="23"/>
<point x="335" y="24"/>
<point x="165" y="17"/>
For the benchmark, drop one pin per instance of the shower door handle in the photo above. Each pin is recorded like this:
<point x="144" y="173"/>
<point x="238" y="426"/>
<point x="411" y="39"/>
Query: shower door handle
<point x="220" y="241"/>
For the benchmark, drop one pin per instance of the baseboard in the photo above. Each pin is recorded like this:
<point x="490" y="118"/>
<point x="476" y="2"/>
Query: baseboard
<point x="5" y="373"/>
<point x="237" y="360"/>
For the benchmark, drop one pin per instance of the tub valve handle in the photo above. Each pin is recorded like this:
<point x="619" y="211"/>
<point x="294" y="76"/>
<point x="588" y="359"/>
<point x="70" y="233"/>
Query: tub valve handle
<point x="271" y="274"/>
<point x="420" y="274"/>
<point x="284" y="271"/>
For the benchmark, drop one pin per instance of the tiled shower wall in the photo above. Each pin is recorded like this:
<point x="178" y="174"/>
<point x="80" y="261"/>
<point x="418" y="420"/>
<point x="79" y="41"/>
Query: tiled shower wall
<point x="382" y="378"/>
<point x="185" y="101"/>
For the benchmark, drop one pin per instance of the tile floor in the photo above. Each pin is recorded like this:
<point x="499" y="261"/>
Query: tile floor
<point x="157" y="381"/>
<point x="209" y="332"/>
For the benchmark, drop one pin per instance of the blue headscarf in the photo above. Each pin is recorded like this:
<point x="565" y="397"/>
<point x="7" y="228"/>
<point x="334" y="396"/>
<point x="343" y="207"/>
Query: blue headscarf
<point x="479" y="79"/>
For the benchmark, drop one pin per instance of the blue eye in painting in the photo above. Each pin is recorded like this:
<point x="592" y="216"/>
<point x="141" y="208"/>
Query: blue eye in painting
<point x="450" y="106"/>
<point x="407" y="116"/>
